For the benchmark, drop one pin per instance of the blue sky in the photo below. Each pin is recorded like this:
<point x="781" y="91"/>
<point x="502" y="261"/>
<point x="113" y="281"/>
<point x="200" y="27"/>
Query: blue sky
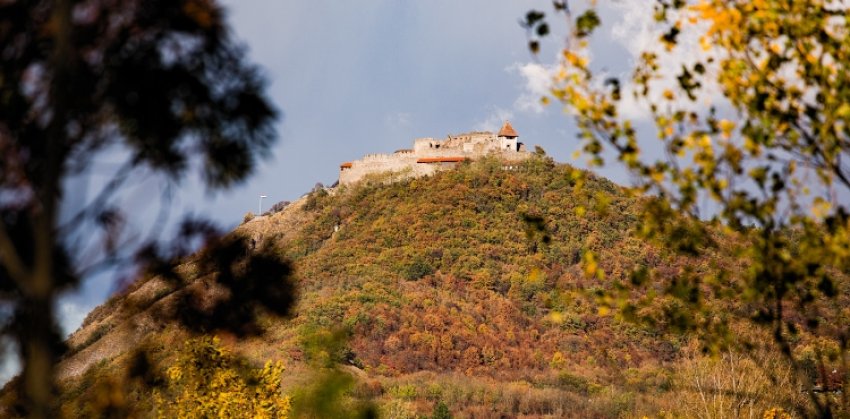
<point x="369" y="76"/>
<point x="356" y="78"/>
<point x="352" y="78"/>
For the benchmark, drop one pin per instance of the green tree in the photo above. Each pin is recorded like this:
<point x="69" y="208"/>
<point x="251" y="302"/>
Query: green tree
<point x="161" y="81"/>
<point x="754" y="135"/>
<point x="441" y="411"/>
<point x="328" y="396"/>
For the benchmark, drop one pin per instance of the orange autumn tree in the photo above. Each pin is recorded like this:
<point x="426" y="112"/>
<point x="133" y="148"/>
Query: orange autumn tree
<point x="749" y="102"/>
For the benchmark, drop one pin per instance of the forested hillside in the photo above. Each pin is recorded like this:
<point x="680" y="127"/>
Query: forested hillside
<point x="463" y="292"/>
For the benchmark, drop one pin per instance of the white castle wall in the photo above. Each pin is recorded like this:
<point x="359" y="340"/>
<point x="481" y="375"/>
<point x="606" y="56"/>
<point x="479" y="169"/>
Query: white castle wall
<point x="378" y="163"/>
<point x="421" y="145"/>
<point x="471" y="145"/>
<point x="509" y="144"/>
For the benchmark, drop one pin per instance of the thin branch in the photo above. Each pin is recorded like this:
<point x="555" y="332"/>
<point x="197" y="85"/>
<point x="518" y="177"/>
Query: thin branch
<point x="821" y="155"/>
<point x="107" y="191"/>
<point x="163" y="215"/>
<point x="104" y="264"/>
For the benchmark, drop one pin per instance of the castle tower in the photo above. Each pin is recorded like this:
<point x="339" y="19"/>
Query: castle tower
<point x="508" y="138"/>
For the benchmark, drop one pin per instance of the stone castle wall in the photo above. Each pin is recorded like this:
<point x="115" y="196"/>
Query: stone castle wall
<point x="383" y="163"/>
<point x="471" y="146"/>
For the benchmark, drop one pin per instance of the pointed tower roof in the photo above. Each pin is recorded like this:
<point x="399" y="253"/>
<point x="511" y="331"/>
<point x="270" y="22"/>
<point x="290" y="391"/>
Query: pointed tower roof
<point x="508" y="131"/>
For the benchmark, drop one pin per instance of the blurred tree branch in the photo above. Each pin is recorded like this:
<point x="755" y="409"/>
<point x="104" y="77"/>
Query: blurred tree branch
<point x="161" y="80"/>
<point x="771" y="174"/>
<point x="11" y="261"/>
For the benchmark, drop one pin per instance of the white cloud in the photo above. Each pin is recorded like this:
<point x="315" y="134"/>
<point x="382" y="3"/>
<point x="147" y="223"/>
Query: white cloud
<point x="494" y="121"/>
<point x="71" y="316"/>
<point x="398" y="120"/>
<point x="538" y="83"/>
<point x="635" y="29"/>
<point x="11" y="362"/>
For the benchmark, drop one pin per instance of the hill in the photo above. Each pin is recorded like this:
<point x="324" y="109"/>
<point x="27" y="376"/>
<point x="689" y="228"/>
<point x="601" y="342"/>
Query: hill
<point x="464" y="289"/>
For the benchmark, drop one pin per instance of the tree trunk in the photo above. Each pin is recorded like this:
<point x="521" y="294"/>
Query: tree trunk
<point x="36" y="328"/>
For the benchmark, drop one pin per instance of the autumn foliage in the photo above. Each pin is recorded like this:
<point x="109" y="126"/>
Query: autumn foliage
<point x="208" y="381"/>
<point x="471" y="289"/>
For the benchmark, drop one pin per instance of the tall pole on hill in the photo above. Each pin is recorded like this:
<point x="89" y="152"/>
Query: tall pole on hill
<point x="260" y="207"/>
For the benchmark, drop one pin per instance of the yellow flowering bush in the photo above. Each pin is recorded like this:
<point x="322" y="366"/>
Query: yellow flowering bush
<point x="208" y="381"/>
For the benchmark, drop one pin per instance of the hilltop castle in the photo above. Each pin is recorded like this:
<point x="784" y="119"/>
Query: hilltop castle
<point x="430" y="155"/>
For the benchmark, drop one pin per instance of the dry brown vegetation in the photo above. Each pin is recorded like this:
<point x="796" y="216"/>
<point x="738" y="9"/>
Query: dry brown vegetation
<point x="446" y="295"/>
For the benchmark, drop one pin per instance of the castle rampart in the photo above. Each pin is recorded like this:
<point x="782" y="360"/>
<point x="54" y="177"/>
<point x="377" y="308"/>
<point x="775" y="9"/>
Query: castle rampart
<point x="430" y="155"/>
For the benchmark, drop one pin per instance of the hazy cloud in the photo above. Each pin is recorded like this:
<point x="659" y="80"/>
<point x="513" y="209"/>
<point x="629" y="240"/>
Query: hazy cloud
<point x="71" y="315"/>
<point x="398" y="120"/>
<point x="636" y="30"/>
<point x="11" y="364"/>
<point x="494" y="121"/>
<point x="538" y="83"/>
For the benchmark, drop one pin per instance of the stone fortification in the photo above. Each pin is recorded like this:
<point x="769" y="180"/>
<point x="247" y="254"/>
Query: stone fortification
<point x="430" y="155"/>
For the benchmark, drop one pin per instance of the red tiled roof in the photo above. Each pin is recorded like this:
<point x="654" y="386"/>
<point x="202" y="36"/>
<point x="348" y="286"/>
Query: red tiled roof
<point x="441" y="159"/>
<point x="346" y="165"/>
<point x="507" y="130"/>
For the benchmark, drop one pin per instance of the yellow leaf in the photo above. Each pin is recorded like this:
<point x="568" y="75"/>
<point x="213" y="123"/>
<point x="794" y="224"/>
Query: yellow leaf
<point x="704" y="43"/>
<point x="726" y="127"/>
<point x="820" y="207"/>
